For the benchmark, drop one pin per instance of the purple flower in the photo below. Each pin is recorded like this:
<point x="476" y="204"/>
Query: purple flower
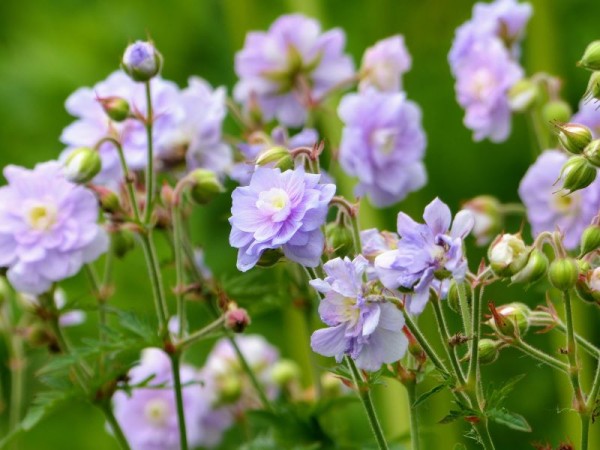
<point x="424" y="251"/>
<point x="368" y="330"/>
<point x="148" y="416"/>
<point x="588" y="115"/>
<point x="384" y="63"/>
<point x="548" y="208"/>
<point x="141" y="61"/>
<point x="48" y="227"/>
<point x="383" y="144"/>
<point x="482" y="84"/>
<point x="242" y="172"/>
<point x="280" y="210"/>
<point x="289" y="66"/>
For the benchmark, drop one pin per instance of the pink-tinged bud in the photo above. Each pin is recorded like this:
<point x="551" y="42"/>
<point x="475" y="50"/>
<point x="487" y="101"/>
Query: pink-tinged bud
<point x="489" y="222"/>
<point x="512" y="319"/>
<point x="167" y="195"/>
<point x="141" y="61"/>
<point x="508" y="254"/>
<point x="588" y="286"/>
<point x="237" y="320"/>
<point x="116" y="108"/>
<point x="109" y="201"/>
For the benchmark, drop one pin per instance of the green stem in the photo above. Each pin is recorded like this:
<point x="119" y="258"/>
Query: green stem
<point x="591" y="401"/>
<point x="445" y="334"/>
<point x="183" y="444"/>
<point x="583" y="342"/>
<point x="17" y="373"/>
<point x="473" y="373"/>
<point x="465" y="312"/>
<point x="365" y="397"/>
<point x="150" y="157"/>
<point x="484" y="434"/>
<point x="128" y="180"/>
<point x="114" y="426"/>
<point x="540" y="356"/>
<point x="160" y="304"/>
<point x="411" y="389"/>
<point x="179" y="270"/>
<point x="196" y="336"/>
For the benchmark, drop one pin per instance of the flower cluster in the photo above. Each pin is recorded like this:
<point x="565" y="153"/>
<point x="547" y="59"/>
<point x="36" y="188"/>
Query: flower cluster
<point x="186" y="125"/>
<point x="483" y="61"/>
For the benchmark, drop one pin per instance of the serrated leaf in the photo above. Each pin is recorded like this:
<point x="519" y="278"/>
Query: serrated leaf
<point x="496" y="396"/>
<point x="423" y="397"/>
<point x="452" y="416"/>
<point x="509" y="419"/>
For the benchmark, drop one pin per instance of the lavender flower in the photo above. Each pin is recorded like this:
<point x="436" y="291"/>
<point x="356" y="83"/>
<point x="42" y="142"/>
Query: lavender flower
<point x="384" y="63"/>
<point x="588" y="115"/>
<point x="383" y="144"/>
<point x="367" y="330"/>
<point x="148" y="416"/>
<point x="424" y="252"/>
<point x="142" y="61"/>
<point x="48" y="227"/>
<point x="548" y="208"/>
<point x="280" y="210"/>
<point x="289" y="66"/>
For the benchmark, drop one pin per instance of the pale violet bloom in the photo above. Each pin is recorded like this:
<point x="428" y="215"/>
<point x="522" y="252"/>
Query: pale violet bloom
<point x="280" y="210"/>
<point x="549" y="208"/>
<point x="368" y="330"/>
<point x="425" y="253"/>
<point x="287" y="67"/>
<point x="141" y="60"/>
<point x="383" y="144"/>
<point x="384" y="64"/>
<point x="48" y="227"/>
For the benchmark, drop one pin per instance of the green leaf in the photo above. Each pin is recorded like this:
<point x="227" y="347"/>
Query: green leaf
<point x="496" y="396"/>
<point x="509" y="419"/>
<point x="428" y="394"/>
<point x="452" y="416"/>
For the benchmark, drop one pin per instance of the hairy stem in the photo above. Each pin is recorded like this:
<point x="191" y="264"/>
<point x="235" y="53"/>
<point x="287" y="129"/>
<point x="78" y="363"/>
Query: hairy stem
<point x="160" y="304"/>
<point x="175" y="363"/>
<point x="150" y="157"/>
<point x="445" y="334"/>
<point x="114" y="426"/>
<point x="411" y="389"/>
<point x="179" y="270"/>
<point x="540" y="356"/>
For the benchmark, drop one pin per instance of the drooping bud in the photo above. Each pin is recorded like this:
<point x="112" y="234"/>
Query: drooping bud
<point x="276" y="157"/>
<point x="574" y="137"/>
<point x="590" y="239"/>
<point x="510" y="319"/>
<point x="204" y="185"/>
<point x="522" y="95"/>
<point x="508" y="254"/>
<point x="556" y="111"/>
<point x="591" y="57"/>
<point x="237" y="320"/>
<point x="588" y="286"/>
<point x="535" y="269"/>
<point x="122" y="242"/>
<point x="339" y="238"/>
<point x="270" y="257"/>
<point x="285" y="372"/>
<point x="82" y="165"/>
<point x="563" y="273"/>
<point x="592" y="153"/>
<point x="488" y="350"/>
<point x="577" y="174"/>
<point x="116" y="108"/>
<point x="486" y="211"/>
<point x="141" y="61"/>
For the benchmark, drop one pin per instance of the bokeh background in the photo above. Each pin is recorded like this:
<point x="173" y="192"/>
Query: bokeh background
<point x="49" y="48"/>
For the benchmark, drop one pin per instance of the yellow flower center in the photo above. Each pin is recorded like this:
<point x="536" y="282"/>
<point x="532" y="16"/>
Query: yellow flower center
<point x="42" y="217"/>
<point x="156" y="411"/>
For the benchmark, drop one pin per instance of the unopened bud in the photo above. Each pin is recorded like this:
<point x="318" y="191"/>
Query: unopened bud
<point x="590" y="239"/>
<point x="82" y="165"/>
<point x="577" y="174"/>
<point x="588" y="286"/>
<point x="116" y="108"/>
<point x="332" y="385"/>
<point x="591" y="57"/>
<point x="563" y="273"/>
<point x="522" y="95"/>
<point x="237" y="320"/>
<point x="204" y="185"/>
<point x="488" y="350"/>
<point x="508" y="254"/>
<point x="285" y="372"/>
<point x="141" y="61"/>
<point x="511" y="319"/>
<point x="593" y="87"/>
<point x="339" y="238"/>
<point x="486" y="211"/>
<point x="453" y="297"/>
<point x="269" y="257"/>
<point x="277" y="157"/>
<point x="556" y="111"/>
<point x="574" y="137"/>
<point x="229" y="388"/>
<point x="592" y="153"/>
<point x="109" y="201"/>
<point x="535" y="269"/>
<point x="122" y="242"/>
<point x="167" y="195"/>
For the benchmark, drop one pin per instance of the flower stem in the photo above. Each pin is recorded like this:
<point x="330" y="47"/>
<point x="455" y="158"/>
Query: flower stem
<point x="411" y="389"/>
<point x="473" y="373"/>
<point x="150" y="157"/>
<point x="175" y="362"/>
<point x="540" y="356"/>
<point x="196" y="336"/>
<point x="114" y="426"/>
<point x="179" y="270"/>
<point x="445" y="334"/>
<point x="365" y="397"/>
<point x="160" y="304"/>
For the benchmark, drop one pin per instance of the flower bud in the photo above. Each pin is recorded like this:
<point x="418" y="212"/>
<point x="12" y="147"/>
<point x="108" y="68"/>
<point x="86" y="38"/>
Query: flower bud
<point x="269" y="257"/>
<point x="591" y="57"/>
<point x="577" y="174"/>
<point x="116" y="108"/>
<point x="82" y="165"/>
<point x="563" y="273"/>
<point x="488" y="350"/>
<point x="592" y="153"/>
<point x="204" y="185"/>
<point x="122" y="242"/>
<point x="590" y="239"/>
<point x="453" y="296"/>
<point x="332" y="385"/>
<point x="556" y="111"/>
<point x="508" y="254"/>
<point x="237" y="320"/>
<point x="285" y="372"/>
<point x="109" y="201"/>
<point x="339" y="238"/>
<point x="486" y="211"/>
<point x="277" y="157"/>
<point x="593" y="88"/>
<point x="229" y="388"/>
<point x="141" y="61"/>
<point x="522" y="95"/>
<point x="511" y="319"/>
<point x="588" y="286"/>
<point x="574" y="137"/>
<point x="536" y="267"/>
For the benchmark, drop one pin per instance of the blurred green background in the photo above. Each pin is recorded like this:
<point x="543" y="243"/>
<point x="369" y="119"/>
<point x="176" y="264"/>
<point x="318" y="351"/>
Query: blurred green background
<point x="49" y="48"/>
